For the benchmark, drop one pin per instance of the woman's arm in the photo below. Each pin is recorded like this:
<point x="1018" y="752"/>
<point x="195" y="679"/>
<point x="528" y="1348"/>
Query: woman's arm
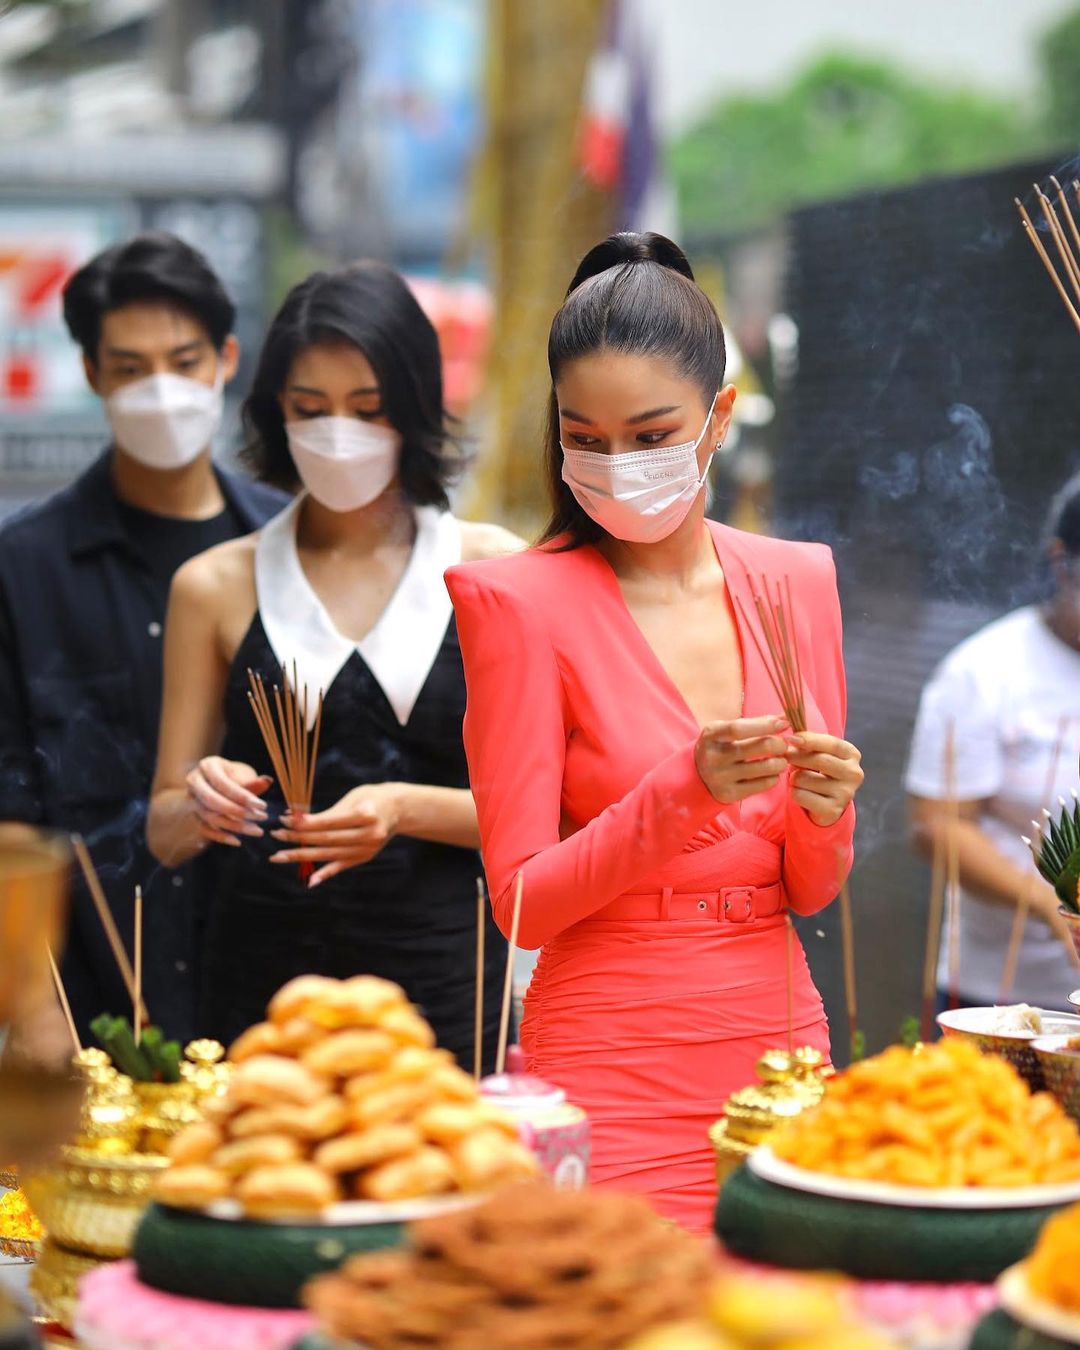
<point x="195" y="799"/>
<point x="516" y="726"/>
<point x="984" y="870"/>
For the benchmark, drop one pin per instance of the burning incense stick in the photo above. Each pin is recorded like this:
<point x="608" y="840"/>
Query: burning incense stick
<point x="478" y="1040"/>
<point x="137" y="1013"/>
<point x="292" y="747"/>
<point x="65" y="1006"/>
<point x="508" y="986"/>
<point x="1070" y="260"/>
<point x="1023" y="905"/>
<point x="780" y="653"/>
<point x="107" y="922"/>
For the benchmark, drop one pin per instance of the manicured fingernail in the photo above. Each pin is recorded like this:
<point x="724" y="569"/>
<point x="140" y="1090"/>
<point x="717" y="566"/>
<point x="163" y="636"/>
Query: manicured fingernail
<point x="283" y="835"/>
<point x="280" y="857"/>
<point x="315" y="881"/>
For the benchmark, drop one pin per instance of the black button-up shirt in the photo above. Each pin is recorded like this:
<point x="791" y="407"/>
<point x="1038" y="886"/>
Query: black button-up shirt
<point x="81" y="620"/>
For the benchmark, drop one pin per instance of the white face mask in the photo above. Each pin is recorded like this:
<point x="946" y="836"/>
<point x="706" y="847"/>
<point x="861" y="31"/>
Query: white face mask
<point x="344" y="463"/>
<point x="165" y="421"/>
<point x="639" y="496"/>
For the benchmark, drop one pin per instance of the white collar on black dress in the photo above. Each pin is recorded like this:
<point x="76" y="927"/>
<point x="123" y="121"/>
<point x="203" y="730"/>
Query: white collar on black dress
<point x="399" y="650"/>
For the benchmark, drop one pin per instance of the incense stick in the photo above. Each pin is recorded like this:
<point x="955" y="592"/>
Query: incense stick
<point x="780" y="652"/>
<point x="292" y="748"/>
<point x="790" y="940"/>
<point x="478" y="1041"/>
<point x="138" y="965"/>
<point x="508" y="985"/>
<point x="65" y="1006"/>
<point x="933" y="932"/>
<point x="952" y="864"/>
<point x="847" y="938"/>
<point x="105" y="915"/>
<point x="1023" y="904"/>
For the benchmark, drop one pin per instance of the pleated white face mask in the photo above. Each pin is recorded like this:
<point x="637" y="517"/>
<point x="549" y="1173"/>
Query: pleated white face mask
<point x="344" y="463"/>
<point x="166" y="421"/>
<point x="639" y="496"/>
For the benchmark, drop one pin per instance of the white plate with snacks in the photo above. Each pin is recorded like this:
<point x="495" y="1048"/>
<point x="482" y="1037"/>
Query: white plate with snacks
<point x="765" y="1164"/>
<point x="1026" y="1307"/>
<point x="354" y="1213"/>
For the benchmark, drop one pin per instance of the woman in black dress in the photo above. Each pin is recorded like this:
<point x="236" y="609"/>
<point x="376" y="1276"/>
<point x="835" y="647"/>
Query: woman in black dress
<point x="347" y="582"/>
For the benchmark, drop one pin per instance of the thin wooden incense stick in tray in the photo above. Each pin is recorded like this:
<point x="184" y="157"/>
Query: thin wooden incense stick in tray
<point x="779" y="652"/>
<point x="508" y="983"/>
<point x="292" y="747"/>
<point x="478" y="1039"/>
<point x="65" y="1006"/>
<point x="93" y="884"/>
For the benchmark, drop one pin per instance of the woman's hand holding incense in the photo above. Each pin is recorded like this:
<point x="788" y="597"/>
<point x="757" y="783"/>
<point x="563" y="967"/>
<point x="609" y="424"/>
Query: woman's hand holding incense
<point x="740" y="758"/>
<point x="350" y="833"/>
<point x="827" y="772"/>
<point x="226" y="797"/>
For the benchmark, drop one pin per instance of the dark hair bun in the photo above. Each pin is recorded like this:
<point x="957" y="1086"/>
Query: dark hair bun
<point x="628" y="247"/>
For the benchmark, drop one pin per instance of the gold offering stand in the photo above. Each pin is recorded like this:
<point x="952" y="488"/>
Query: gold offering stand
<point x="788" y="1083"/>
<point x="92" y="1199"/>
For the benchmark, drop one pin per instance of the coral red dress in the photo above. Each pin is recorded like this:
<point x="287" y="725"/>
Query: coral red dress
<point x="660" y="912"/>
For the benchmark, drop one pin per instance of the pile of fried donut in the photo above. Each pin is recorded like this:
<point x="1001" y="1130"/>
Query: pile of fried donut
<point x="531" y="1267"/>
<point x="341" y="1094"/>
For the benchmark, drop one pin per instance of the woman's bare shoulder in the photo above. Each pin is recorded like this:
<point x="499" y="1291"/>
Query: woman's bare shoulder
<point x="216" y="573"/>
<point x="480" y="541"/>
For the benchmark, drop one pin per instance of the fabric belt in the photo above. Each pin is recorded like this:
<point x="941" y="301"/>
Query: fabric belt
<point x="731" y="904"/>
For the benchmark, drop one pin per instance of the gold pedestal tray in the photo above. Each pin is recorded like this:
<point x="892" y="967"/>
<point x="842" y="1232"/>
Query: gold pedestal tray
<point x="91" y="1203"/>
<point x="54" y="1281"/>
<point x="789" y="1083"/>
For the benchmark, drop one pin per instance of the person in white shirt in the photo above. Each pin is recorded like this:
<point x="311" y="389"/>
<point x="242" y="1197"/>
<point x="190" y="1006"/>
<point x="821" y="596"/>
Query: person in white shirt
<point x="1011" y="692"/>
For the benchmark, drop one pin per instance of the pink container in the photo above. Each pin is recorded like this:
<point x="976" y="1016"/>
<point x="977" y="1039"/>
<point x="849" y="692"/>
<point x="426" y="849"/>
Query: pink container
<point x="555" y="1129"/>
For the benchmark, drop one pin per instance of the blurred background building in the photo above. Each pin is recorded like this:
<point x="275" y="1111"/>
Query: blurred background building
<point x="842" y="175"/>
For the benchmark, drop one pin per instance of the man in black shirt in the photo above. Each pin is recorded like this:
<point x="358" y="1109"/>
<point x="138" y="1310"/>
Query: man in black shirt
<point x="84" y="581"/>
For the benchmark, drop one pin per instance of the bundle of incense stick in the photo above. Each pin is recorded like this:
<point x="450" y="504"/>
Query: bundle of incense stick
<point x="292" y="748"/>
<point x="775" y="614"/>
<point x="847" y="939"/>
<point x="1065" y="241"/>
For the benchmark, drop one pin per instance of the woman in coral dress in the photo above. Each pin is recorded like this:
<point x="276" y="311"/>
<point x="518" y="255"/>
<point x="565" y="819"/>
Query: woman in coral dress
<point x="626" y="749"/>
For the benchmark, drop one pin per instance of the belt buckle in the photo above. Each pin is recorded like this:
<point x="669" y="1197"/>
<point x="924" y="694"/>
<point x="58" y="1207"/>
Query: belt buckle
<point x="736" y="897"/>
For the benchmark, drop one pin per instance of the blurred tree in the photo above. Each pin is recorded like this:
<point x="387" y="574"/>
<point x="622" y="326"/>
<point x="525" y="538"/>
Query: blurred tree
<point x="846" y="124"/>
<point x="1059" y="55"/>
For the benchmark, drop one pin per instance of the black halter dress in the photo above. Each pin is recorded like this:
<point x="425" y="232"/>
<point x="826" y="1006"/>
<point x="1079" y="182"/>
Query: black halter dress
<point x="410" y="913"/>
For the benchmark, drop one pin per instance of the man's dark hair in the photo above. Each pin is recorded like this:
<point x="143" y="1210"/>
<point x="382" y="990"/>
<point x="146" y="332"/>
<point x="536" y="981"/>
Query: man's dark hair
<point x="149" y="267"/>
<point x="1063" y="521"/>
<point x="370" y="307"/>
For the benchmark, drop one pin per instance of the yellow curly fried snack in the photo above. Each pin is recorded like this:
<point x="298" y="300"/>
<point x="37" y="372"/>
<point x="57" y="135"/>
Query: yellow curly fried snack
<point x="942" y="1115"/>
<point x="263" y="1150"/>
<point x="405" y="1024"/>
<point x="1053" y="1265"/>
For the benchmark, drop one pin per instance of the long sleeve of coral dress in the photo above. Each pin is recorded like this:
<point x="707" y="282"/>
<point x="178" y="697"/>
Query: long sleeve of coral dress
<point x="660" y="913"/>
